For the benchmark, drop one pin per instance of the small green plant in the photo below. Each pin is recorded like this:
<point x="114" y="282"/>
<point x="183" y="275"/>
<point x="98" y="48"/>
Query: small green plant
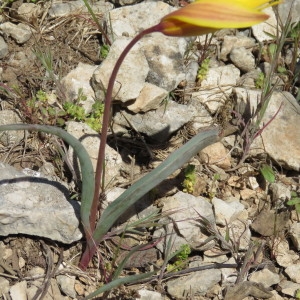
<point x="189" y="179"/>
<point x="297" y="295"/>
<point x="104" y="50"/>
<point x="268" y="173"/>
<point x="180" y="259"/>
<point x="259" y="81"/>
<point x="203" y="69"/>
<point x="295" y="200"/>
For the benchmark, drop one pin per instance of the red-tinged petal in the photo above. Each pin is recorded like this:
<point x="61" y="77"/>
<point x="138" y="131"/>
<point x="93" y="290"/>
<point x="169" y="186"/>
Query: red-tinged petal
<point x="177" y="28"/>
<point x="217" y="15"/>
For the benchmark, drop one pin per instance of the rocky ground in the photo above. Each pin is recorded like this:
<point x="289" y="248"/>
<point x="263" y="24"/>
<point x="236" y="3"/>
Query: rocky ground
<point x="235" y="207"/>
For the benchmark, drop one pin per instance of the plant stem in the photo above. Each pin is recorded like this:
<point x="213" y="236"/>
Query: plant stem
<point x="105" y="121"/>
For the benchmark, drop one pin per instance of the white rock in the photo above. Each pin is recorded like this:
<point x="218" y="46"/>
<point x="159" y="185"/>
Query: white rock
<point x="186" y="209"/>
<point x="21" y="33"/>
<point x="230" y="42"/>
<point x="284" y="256"/>
<point x="79" y="79"/>
<point x="289" y="7"/>
<point x="18" y="291"/>
<point x="165" y="59"/>
<point x="216" y="154"/>
<point x="269" y="26"/>
<point x="294" y="272"/>
<point x="90" y="140"/>
<point x="253" y="182"/>
<point x="198" y="282"/>
<point x="242" y="59"/>
<point x="239" y="231"/>
<point x="36" y="206"/>
<point x="11" y="137"/>
<point x="266" y="277"/>
<point x="226" y="212"/>
<point x="282" y="127"/>
<point x="217" y="86"/>
<point x="60" y="9"/>
<point x="3" y="48"/>
<point x="4" y="286"/>
<point x="149" y="98"/>
<point x="289" y="288"/>
<point x="149" y="295"/>
<point x="67" y="284"/>
<point x="229" y="275"/>
<point x="29" y="11"/>
<point x="131" y="76"/>
<point x="280" y="192"/>
<point x="158" y="125"/>
<point x="294" y="232"/>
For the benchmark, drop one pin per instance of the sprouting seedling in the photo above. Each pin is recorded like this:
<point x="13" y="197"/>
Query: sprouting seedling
<point x="295" y="200"/>
<point x="189" y="179"/>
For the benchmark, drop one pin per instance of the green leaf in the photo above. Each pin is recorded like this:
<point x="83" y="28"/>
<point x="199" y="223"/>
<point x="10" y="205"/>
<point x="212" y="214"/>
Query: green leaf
<point x="118" y="282"/>
<point x="87" y="171"/>
<point x="268" y="173"/>
<point x="293" y="201"/>
<point x="175" y="161"/>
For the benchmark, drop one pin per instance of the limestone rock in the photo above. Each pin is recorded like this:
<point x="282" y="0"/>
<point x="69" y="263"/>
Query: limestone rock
<point x="216" y="154"/>
<point x="217" y="86"/>
<point x="198" y="282"/>
<point x="36" y="206"/>
<point x="90" y="139"/>
<point x="158" y="125"/>
<point x="3" y="48"/>
<point x="10" y="137"/>
<point x="149" y="98"/>
<point x="186" y="210"/>
<point x="131" y="76"/>
<point x="21" y="33"/>
<point x="79" y="80"/>
<point x="242" y="59"/>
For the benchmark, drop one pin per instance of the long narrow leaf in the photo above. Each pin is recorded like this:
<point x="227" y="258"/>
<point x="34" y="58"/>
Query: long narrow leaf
<point x="118" y="282"/>
<point x="87" y="171"/>
<point x="178" y="158"/>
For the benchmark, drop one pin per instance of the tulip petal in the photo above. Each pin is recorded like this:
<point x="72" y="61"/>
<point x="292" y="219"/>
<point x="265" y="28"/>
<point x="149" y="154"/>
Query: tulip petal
<point x="210" y="16"/>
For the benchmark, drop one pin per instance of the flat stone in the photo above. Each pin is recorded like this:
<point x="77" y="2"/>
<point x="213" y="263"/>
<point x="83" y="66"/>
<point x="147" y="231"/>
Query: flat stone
<point x="266" y="277"/>
<point x="79" y="80"/>
<point x="186" y="209"/>
<point x="10" y="137"/>
<point x="266" y="30"/>
<point x="216" y="154"/>
<point x="198" y="282"/>
<point x="282" y="128"/>
<point x="3" y="48"/>
<point x="160" y="124"/>
<point x="232" y="41"/>
<point x="294" y="272"/>
<point x="36" y="206"/>
<point x="289" y="288"/>
<point x="217" y="86"/>
<point x="21" y="32"/>
<point x="131" y="76"/>
<point x="243" y="59"/>
<point x="226" y="212"/>
<point x="90" y="139"/>
<point x="294" y="232"/>
<point x="149" y="98"/>
<point x="149" y="295"/>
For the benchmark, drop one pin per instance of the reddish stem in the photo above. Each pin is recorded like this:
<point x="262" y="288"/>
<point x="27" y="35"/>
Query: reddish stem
<point x="91" y="246"/>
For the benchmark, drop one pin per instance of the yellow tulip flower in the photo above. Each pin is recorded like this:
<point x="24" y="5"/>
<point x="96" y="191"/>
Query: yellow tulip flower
<point x="206" y="16"/>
